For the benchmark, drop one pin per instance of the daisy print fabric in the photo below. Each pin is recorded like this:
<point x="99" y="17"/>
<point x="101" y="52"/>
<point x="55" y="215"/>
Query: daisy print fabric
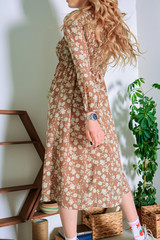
<point x="76" y="174"/>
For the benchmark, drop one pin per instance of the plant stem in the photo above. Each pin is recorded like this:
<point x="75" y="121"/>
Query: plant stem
<point x="145" y="169"/>
<point x="148" y="91"/>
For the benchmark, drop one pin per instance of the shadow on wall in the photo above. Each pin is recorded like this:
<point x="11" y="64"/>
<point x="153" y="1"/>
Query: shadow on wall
<point x="149" y="38"/>
<point x="33" y="57"/>
<point x="120" y="112"/>
<point x="33" y="60"/>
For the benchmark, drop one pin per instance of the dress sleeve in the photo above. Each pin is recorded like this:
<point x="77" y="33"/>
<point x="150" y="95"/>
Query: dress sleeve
<point x="74" y="35"/>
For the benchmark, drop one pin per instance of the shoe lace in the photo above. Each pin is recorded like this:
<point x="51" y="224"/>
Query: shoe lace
<point x="147" y="232"/>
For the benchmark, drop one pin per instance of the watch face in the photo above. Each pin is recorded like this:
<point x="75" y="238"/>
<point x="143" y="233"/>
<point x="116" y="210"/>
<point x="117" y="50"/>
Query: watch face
<point x="95" y="116"/>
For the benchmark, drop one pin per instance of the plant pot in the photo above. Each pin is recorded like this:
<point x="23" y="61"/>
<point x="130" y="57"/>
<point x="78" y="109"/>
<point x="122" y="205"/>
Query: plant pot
<point x="49" y="207"/>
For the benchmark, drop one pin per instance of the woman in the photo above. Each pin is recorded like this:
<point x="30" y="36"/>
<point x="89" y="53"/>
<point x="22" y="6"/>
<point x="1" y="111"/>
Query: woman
<point x="82" y="166"/>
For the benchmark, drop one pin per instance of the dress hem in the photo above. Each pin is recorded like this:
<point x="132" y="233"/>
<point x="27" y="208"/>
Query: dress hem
<point x="59" y="203"/>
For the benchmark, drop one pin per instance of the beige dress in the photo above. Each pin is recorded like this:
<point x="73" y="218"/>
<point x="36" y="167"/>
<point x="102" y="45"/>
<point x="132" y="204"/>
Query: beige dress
<point x="75" y="174"/>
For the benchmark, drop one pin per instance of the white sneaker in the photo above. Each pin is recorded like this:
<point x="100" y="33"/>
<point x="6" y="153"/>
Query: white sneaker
<point x="147" y="233"/>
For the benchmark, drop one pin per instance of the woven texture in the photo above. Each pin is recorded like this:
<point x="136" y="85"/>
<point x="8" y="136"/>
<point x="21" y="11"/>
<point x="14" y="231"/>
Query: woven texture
<point x="151" y="217"/>
<point x="103" y="224"/>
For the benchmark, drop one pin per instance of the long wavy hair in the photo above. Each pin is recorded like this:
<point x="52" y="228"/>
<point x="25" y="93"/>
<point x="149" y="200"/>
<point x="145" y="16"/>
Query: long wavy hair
<point x="112" y="33"/>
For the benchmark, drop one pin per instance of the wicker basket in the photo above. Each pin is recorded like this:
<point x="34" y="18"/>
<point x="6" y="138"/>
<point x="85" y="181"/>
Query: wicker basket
<point x="102" y="224"/>
<point x="151" y="217"/>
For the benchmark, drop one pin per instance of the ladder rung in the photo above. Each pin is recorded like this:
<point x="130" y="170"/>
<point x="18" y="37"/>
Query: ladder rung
<point x="10" y="221"/>
<point x="41" y="214"/>
<point x="17" y="188"/>
<point x="32" y="199"/>
<point x="12" y="112"/>
<point x="17" y="142"/>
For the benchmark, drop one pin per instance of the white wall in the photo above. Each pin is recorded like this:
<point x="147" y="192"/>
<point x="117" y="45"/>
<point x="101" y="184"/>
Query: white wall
<point x="117" y="81"/>
<point x="148" y="19"/>
<point x="28" y="61"/>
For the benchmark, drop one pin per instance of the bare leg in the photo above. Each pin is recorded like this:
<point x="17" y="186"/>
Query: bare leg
<point x="69" y="221"/>
<point x="128" y="207"/>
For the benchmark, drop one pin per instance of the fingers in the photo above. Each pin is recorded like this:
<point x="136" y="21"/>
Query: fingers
<point x="100" y="140"/>
<point x="89" y="136"/>
<point x="94" y="138"/>
<point x="93" y="141"/>
<point x="96" y="141"/>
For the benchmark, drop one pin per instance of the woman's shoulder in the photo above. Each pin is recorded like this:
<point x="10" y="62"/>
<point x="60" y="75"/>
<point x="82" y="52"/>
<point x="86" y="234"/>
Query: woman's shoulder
<point x="80" y="20"/>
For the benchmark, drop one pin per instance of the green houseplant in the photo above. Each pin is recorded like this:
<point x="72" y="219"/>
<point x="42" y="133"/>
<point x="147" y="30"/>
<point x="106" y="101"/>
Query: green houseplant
<point x="143" y="124"/>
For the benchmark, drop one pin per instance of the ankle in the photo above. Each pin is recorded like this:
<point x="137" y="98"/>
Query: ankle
<point x="74" y="238"/>
<point x="137" y="230"/>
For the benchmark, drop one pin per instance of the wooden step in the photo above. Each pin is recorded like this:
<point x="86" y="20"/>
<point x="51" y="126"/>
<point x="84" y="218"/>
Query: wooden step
<point x="18" y="142"/>
<point x="10" y="221"/>
<point x="17" y="188"/>
<point x="31" y="203"/>
<point x="39" y="214"/>
<point x="12" y="112"/>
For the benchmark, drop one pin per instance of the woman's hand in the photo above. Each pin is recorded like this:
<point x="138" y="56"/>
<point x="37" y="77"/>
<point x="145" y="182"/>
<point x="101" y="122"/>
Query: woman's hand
<point x="94" y="132"/>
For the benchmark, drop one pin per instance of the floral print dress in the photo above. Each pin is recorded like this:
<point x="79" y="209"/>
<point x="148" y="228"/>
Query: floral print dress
<point x="76" y="174"/>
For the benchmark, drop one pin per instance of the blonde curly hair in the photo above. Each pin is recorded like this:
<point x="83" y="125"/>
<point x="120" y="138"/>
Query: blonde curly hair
<point x="111" y="31"/>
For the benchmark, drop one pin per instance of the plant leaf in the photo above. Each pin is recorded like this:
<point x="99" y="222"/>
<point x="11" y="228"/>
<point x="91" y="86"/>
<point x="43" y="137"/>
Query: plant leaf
<point x="156" y="85"/>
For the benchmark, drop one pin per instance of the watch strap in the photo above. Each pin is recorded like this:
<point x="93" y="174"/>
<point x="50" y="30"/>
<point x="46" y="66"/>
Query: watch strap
<point x="90" y="117"/>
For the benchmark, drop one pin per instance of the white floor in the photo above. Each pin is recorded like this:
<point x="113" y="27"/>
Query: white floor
<point x="127" y="235"/>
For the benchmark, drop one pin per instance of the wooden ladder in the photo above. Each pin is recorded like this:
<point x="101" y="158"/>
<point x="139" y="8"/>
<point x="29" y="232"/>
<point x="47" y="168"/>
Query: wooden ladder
<point x="28" y="210"/>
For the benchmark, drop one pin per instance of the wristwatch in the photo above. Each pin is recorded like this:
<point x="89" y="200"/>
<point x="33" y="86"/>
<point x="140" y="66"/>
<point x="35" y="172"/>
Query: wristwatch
<point x="93" y="116"/>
